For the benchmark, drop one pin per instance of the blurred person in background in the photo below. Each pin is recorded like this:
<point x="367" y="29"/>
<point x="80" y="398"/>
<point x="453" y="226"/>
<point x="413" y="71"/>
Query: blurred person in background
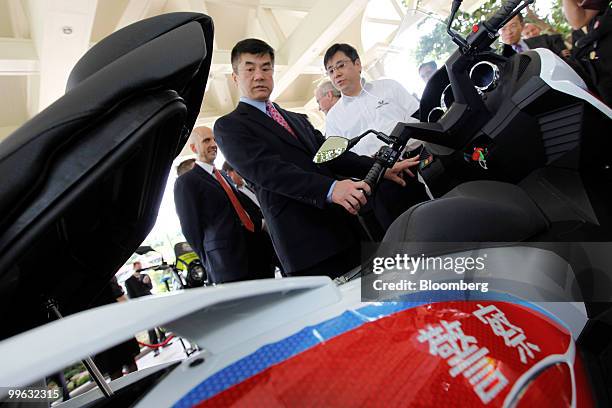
<point x="326" y="96"/>
<point x="427" y="69"/>
<point x="530" y="30"/>
<point x="513" y="43"/>
<point x="139" y="285"/>
<point x="593" y="50"/>
<point x="185" y="166"/>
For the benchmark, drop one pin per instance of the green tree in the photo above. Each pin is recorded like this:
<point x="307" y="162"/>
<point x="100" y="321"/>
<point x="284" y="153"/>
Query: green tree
<point x="557" y="19"/>
<point x="437" y="45"/>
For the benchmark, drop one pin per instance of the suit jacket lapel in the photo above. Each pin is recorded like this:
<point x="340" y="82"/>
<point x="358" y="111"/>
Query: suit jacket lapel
<point x="258" y="116"/>
<point x="242" y="198"/>
<point x="209" y="178"/>
<point x="299" y="130"/>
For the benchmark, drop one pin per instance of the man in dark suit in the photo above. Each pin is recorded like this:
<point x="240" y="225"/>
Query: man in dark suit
<point x="139" y="285"/>
<point x="222" y="225"/>
<point x="308" y="212"/>
<point x="513" y="43"/>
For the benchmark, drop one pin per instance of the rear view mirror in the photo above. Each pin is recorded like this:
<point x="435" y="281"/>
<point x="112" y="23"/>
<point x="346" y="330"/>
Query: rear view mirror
<point x="332" y="148"/>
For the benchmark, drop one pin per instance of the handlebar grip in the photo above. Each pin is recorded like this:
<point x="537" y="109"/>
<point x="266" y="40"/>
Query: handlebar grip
<point x="494" y="22"/>
<point x="374" y="174"/>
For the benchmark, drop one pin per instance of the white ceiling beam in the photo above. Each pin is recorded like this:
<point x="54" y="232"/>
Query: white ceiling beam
<point x="18" y="57"/>
<point x="137" y="10"/>
<point x="221" y="89"/>
<point x="19" y="20"/>
<point x="384" y="21"/>
<point x="272" y="30"/>
<point x="315" y="32"/>
<point x="61" y="30"/>
<point x="217" y="82"/>
<point x="399" y="9"/>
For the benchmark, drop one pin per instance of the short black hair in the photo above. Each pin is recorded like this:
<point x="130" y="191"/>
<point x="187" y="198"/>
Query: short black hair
<point x="250" y="46"/>
<point x="185" y="166"/>
<point x="347" y="49"/>
<point x="428" y="64"/>
<point x="227" y="167"/>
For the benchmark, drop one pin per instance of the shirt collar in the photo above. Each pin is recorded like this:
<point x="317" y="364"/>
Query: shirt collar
<point x="207" y="167"/>
<point x="348" y="99"/>
<point x="523" y="44"/>
<point x="261" y="105"/>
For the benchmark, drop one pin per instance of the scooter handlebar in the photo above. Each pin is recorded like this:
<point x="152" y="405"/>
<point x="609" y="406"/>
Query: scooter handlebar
<point x="374" y="174"/>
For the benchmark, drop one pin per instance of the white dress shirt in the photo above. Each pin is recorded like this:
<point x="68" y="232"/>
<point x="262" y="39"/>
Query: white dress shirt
<point x="380" y="105"/>
<point x="207" y="167"/>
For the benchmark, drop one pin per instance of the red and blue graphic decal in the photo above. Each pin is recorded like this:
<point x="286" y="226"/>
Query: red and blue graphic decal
<point x="467" y="353"/>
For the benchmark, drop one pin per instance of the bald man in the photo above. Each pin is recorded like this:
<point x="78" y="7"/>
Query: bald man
<point x="220" y="223"/>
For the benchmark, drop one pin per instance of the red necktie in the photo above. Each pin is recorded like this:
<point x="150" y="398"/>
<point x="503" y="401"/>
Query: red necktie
<point x="242" y="214"/>
<point x="278" y="118"/>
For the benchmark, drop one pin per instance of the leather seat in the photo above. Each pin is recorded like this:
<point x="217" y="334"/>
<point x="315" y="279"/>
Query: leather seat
<point x="83" y="179"/>
<point x="476" y="211"/>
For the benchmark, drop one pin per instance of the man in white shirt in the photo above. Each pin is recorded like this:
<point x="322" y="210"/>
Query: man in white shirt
<point x="378" y="105"/>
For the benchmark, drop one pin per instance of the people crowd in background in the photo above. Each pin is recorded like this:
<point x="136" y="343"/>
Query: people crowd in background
<point x="310" y="210"/>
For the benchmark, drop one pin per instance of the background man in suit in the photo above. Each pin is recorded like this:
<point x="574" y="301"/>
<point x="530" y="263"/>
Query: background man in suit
<point x="326" y="96"/>
<point x="185" y="166"/>
<point x="273" y="149"/>
<point x="513" y="43"/>
<point x="220" y="223"/>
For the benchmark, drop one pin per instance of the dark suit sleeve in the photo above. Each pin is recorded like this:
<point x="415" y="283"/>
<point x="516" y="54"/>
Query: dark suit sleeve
<point x="556" y="44"/>
<point x="349" y="164"/>
<point x="130" y="289"/>
<point x="147" y="286"/>
<point x="256" y="161"/>
<point x="192" y="224"/>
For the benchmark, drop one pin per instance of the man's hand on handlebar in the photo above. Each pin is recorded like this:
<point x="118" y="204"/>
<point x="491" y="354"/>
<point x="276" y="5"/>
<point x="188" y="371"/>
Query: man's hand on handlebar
<point x="350" y="194"/>
<point x="395" y="173"/>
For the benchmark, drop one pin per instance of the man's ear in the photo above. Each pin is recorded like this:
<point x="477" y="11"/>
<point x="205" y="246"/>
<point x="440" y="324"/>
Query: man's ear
<point x="235" y="78"/>
<point x="193" y="148"/>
